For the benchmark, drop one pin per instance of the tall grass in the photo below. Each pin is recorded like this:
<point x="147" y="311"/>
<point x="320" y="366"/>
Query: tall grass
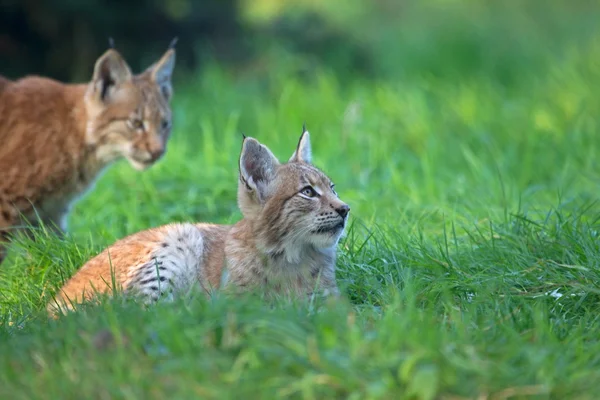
<point x="471" y="266"/>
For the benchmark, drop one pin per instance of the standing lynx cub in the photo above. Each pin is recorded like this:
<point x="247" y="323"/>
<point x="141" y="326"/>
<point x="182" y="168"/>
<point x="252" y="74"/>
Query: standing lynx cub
<point x="285" y="243"/>
<point x="56" y="138"/>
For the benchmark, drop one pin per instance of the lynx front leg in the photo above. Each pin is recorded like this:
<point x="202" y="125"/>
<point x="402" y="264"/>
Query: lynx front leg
<point x="7" y="223"/>
<point x="4" y="241"/>
<point x="324" y="282"/>
<point x="56" y="223"/>
<point x="56" y="229"/>
<point x="2" y="252"/>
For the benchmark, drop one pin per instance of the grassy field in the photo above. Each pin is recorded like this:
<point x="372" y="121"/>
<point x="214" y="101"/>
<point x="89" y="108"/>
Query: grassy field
<point x="471" y="268"/>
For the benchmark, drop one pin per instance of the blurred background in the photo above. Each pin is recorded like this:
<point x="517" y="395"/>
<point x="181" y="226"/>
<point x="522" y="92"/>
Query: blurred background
<point x="442" y="110"/>
<point x="512" y="40"/>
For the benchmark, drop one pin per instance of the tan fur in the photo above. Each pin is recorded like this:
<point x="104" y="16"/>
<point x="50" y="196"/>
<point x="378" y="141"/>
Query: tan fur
<point x="285" y="244"/>
<point x="56" y="138"/>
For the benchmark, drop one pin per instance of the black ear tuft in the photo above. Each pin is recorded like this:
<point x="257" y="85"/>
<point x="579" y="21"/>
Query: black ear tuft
<point x="111" y="43"/>
<point x="173" y="42"/>
<point x="304" y="127"/>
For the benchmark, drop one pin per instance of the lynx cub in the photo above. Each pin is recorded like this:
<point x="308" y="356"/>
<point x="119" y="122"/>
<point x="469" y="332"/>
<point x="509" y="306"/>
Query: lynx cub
<point x="56" y="138"/>
<point x="285" y="243"/>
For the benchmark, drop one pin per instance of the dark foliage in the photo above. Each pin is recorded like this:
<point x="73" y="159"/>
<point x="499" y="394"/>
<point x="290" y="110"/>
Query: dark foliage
<point x="62" y="38"/>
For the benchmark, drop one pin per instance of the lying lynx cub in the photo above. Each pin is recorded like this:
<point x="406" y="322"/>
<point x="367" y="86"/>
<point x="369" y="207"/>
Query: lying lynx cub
<point x="285" y="243"/>
<point x="56" y="138"/>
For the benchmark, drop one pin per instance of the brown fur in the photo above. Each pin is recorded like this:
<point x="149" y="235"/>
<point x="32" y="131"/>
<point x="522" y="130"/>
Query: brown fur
<point x="285" y="244"/>
<point x="3" y="83"/>
<point x="56" y="138"/>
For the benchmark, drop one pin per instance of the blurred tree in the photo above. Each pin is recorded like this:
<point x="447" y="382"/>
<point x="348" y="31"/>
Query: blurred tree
<point x="62" y="38"/>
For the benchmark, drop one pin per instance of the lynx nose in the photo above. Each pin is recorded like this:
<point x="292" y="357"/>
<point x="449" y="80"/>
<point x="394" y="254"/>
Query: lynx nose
<point x="156" y="154"/>
<point x="343" y="210"/>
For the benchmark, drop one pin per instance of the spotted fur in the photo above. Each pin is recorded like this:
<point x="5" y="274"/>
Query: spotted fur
<point x="56" y="138"/>
<point x="285" y="244"/>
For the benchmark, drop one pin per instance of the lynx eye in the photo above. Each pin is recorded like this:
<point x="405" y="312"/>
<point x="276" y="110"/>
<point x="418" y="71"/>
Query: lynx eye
<point x="333" y="188"/>
<point x="136" y="124"/>
<point x="164" y="124"/>
<point x="308" y="191"/>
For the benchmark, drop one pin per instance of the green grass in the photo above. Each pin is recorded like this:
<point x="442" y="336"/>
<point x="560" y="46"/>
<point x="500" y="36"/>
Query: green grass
<point x="471" y="268"/>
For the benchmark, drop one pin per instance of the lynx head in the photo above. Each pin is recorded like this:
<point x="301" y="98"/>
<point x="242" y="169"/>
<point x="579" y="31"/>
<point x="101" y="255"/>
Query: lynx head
<point x="129" y="115"/>
<point x="291" y="205"/>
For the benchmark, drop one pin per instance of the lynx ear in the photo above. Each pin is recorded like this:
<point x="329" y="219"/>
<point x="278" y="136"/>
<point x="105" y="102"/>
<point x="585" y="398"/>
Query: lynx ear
<point x="257" y="167"/>
<point x="162" y="70"/>
<point x="303" y="152"/>
<point x="110" y="71"/>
